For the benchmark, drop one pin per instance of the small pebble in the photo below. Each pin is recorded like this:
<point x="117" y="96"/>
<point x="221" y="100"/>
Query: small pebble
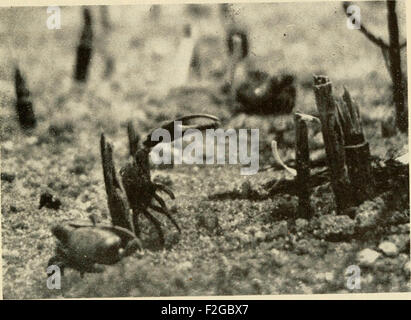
<point x="329" y="276"/>
<point x="367" y="257"/>
<point x="49" y="201"/>
<point x="388" y="248"/>
<point x="9" y="177"/>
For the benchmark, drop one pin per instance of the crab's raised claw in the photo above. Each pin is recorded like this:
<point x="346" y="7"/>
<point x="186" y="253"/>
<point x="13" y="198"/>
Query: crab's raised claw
<point x="195" y="121"/>
<point x="198" y="122"/>
<point x="165" y="189"/>
<point x="186" y="119"/>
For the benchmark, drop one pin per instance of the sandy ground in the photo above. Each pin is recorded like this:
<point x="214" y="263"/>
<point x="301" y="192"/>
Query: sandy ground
<point x="232" y="246"/>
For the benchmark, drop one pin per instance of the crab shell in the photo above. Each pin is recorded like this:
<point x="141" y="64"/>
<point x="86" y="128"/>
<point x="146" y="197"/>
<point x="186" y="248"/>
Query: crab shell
<point x="263" y="94"/>
<point x="83" y="244"/>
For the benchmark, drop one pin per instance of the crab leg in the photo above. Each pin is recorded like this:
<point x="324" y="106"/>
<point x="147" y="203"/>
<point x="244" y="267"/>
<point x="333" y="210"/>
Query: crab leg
<point x="135" y="223"/>
<point x="157" y="225"/>
<point x="166" y="213"/>
<point x="160" y="200"/>
<point x="163" y="209"/>
<point x="165" y="189"/>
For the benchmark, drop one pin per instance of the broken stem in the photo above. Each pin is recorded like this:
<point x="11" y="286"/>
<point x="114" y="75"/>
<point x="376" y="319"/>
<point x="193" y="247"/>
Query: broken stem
<point x="333" y="141"/>
<point x="302" y="155"/>
<point x="84" y="49"/>
<point x="117" y="204"/>
<point x="24" y="105"/>
<point x="357" y="151"/>
<point x="133" y="139"/>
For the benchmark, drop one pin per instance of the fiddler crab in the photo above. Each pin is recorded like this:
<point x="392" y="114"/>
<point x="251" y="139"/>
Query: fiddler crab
<point x="87" y="245"/>
<point x="136" y="178"/>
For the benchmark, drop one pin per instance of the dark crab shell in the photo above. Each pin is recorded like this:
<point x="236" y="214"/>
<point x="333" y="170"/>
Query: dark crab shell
<point x="82" y="243"/>
<point x="263" y="94"/>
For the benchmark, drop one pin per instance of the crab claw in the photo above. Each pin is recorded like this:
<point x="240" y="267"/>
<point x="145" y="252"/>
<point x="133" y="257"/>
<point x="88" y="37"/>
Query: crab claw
<point x="184" y="123"/>
<point x="164" y="189"/>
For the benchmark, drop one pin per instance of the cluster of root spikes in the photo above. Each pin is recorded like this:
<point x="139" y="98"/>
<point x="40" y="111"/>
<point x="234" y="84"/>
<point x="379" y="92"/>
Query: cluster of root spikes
<point x="350" y="168"/>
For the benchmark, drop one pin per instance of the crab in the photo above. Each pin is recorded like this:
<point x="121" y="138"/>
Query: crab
<point x="86" y="246"/>
<point x="256" y="91"/>
<point x="142" y="193"/>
